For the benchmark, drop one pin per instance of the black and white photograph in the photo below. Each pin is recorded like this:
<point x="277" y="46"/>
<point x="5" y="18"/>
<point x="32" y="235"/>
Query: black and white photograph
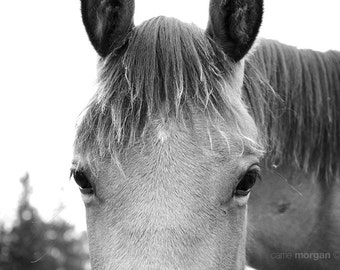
<point x="170" y="135"/>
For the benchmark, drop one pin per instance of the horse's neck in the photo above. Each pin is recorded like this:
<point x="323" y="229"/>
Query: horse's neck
<point x="307" y="85"/>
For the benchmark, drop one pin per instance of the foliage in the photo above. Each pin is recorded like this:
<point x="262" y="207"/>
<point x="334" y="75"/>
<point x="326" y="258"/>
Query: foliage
<point x="33" y="244"/>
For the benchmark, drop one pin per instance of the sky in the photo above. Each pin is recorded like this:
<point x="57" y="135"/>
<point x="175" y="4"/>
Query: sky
<point x="48" y="74"/>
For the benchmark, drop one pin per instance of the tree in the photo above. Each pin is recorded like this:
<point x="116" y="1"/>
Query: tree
<point x="33" y="244"/>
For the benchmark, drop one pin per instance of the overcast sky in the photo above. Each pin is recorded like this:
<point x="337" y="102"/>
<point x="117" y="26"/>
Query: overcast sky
<point x="48" y="73"/>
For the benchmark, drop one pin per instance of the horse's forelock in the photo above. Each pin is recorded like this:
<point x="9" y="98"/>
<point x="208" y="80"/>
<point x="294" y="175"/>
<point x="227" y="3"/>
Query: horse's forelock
<point x="165" y="69"/>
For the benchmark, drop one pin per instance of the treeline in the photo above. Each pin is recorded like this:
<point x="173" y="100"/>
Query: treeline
<point x="33" y="244"/>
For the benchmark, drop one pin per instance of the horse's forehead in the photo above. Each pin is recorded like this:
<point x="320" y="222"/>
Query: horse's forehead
<point x="201" y="140"/>
<point x="198" y="139"/>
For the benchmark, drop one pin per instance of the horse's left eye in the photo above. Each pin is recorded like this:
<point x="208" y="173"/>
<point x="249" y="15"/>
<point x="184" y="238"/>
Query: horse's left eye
<point x="82" y="181"/>
<point x="248" y="181"/>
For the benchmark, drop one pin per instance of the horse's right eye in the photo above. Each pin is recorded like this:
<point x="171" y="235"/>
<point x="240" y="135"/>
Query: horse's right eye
<point x="82" y="181"/>
<point x="247" y="182"/>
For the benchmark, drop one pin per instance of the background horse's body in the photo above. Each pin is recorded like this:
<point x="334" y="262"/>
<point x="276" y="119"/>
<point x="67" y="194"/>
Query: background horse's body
<point x="294" y="215"/>
<point x="293" y="225"/>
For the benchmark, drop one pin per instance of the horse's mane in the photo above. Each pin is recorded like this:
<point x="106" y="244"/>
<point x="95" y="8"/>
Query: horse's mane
<point x="302" y="118"/>
<point x="165" y="69"/>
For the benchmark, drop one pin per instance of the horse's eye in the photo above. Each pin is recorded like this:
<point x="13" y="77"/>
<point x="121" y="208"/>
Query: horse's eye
<point x="82" y="181"/>
<point x="248" y="181"/>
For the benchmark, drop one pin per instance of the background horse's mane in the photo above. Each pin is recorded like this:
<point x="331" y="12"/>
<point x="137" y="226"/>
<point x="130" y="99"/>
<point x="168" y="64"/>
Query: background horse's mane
<point x="165" y="69"/>
<point x="302" y="118"/>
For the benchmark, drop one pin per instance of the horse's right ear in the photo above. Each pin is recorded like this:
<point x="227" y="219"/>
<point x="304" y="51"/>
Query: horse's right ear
<point x="234" y="25"/>
<point x="107" y="23"/>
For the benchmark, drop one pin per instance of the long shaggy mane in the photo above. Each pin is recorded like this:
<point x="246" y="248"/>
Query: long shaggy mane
<point x="302" y="118"/>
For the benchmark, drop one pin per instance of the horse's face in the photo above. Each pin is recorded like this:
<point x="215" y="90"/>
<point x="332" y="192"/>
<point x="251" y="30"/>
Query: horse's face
<point x="180" y="204"/>
<point x="175" y="196"/>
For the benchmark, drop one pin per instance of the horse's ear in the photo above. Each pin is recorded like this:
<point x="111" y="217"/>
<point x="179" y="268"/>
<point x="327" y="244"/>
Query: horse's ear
<point x="234" y="25"/>
<point x="107" y="23"/>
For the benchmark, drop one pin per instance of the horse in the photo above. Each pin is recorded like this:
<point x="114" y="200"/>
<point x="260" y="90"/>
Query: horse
<point x="169" y="149"/>
<point x="294" y="215"/>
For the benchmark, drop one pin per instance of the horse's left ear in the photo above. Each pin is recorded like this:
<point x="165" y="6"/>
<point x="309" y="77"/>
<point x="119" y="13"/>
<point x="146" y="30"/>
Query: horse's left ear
<point x="234" y="25"/>
<point x="107" y="23"/>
